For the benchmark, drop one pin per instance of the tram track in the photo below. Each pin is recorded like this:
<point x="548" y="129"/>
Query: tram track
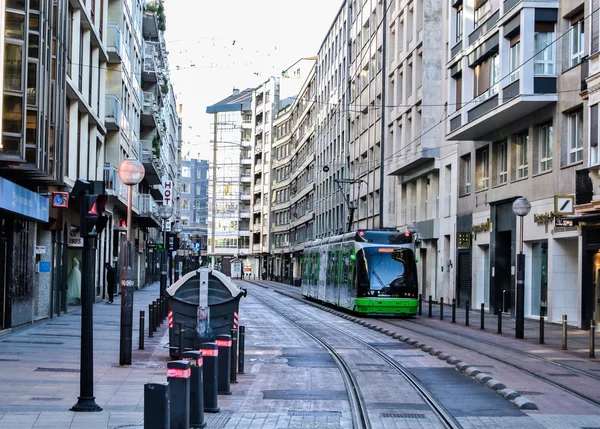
<point x="356" y="399"/>
<point x="518" y="366"/>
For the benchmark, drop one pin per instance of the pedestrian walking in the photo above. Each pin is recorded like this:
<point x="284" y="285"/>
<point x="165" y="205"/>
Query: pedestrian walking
<point x="110" y="281"/>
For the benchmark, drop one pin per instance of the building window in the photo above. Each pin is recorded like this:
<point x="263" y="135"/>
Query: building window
<point x="593" y="134"/>
<point x="185" y="204"/>
<point x="459" y="24"/>
<point x="545" y="147"/>
<point x="576" y="137"/>
<point x="466" y="174"/>
<point x="514" y="59"/>
<point x="544" y="63"/>
<point x="484" y="168"/>
<point x="522" y="155"/>
<point x="577" y="42"/>
<point x="502" y="163"/>
<point x="487" y="75"/>
<point x="185" y="172"/>
<point x="482" y="10"/>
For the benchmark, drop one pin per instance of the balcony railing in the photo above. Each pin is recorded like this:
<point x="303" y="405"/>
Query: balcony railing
<point x="113" y="110"/>
<point x="147" y="204"/>
<point x="111" y="179"/>
<point x="113" y="42"/>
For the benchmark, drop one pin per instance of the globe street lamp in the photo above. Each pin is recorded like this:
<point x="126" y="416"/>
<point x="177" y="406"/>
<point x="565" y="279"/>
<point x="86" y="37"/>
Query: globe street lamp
<point x="177" y="228"/>
<point x="131" y="172"/>
<point x="521" y="208"/>
<point x="165" y="212"/>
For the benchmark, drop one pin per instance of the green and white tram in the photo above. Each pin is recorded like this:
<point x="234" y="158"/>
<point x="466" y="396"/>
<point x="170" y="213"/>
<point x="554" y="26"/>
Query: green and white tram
<point x="368" y="272"/>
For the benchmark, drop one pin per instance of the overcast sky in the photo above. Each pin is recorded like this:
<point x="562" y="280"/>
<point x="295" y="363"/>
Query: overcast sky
<point x="215" y="46"/>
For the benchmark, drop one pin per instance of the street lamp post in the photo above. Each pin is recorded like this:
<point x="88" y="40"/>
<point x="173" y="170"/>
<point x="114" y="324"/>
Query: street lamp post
<point x="131" y="172"/>
<point x="165" y="212"/>
<point x="521" y="208"/>
<point x="177" y="228"/>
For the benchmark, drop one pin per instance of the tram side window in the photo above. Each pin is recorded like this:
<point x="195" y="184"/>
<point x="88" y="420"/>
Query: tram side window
<point x="331" y="267"/>
<point x="346" y="269"/>
<point x="362" y="275"/>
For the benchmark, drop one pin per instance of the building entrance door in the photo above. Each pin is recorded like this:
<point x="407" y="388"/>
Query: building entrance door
<point x="465" y="286"/>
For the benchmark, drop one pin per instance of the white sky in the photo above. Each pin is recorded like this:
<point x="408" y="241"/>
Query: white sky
<point x="217" y="45"/>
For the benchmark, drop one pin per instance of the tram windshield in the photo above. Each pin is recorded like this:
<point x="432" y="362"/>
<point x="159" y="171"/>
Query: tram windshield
<point x="389" y="277"/>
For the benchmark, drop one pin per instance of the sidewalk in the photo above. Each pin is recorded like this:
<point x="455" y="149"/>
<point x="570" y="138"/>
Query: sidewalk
<point x="39" y="369"/>
<point x="578" y="340"/>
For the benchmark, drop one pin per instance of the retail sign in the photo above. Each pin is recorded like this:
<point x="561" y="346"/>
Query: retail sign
<point x="563" y="204"/>
<point x="482" y="227"/>
<point x="44" y="267"/>
<point x="168" y="195"/>
<point x="16" y="199"/>
<point x="60" y="200"/>
<point x="564" y="223"/>
<point x="75" y="239"/>
<point x="40" y="250"/>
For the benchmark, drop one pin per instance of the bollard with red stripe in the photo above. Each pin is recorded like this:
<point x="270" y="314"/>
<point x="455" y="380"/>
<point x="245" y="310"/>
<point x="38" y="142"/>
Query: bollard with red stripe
<point x="235" y="320"/>
<point x="210" y="356"/>
<point x="224" y="344"/>
<point x="178" y="376"/>
<point x="170" y="318"/>
<point x="196" y="389"/>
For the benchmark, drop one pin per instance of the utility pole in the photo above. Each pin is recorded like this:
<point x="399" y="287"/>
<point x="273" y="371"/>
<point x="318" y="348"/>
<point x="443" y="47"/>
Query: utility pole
<point x="349" y="204"/>
<point x="214" y="185"/>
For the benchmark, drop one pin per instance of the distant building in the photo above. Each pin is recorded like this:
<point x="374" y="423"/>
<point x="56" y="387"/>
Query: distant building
<point x="193" y="202"/>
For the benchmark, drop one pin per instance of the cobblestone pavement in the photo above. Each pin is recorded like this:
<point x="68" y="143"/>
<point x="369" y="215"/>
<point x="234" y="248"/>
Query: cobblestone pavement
<point x="39" y="379"/>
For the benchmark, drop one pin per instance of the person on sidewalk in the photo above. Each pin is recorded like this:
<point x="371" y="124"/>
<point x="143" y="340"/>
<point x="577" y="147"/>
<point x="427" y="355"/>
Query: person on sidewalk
<point x="110" y="281"/>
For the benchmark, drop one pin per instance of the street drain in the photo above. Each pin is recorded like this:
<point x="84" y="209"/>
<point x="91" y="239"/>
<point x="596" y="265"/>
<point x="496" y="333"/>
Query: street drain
<point x="527" y="393"/>
<point x="43" y="369"/>
<point x="42" y="398"/>
<point x="402" y="416"/>
<point x="300" y="413"/>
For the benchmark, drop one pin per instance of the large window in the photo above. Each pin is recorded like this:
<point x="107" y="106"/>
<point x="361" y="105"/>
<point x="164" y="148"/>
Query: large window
<point x="459" y="24"/>
<point x="485" y="168"/>
<point x="577" y="42"/>
<point x="544" y="62"/>
<point x="575" y="137"/>
<point x="487" y="75"/>
<point x="502" y="158"/>
<point x="466" y="174"/>
<point x="545" y="147"/>
<point x="482" y="10"/>
<point x="514" y="60"/>
<point x="522" y="155"/>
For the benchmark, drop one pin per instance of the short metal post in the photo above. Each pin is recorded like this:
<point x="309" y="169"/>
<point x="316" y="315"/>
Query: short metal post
<point x="142" y="326"/>
<point x="196" y="388"/>
<point x="210" y="356"/>
<point x="430" y="305"/>
<point x="156" y="406"/>
<point x="467" y="313"/>
<point x="234" y="355"/>
<point x="178" y="376"/>
<point x="242" y="332"/>
<point x="592" y="339"/>
<point x="442" y="308"/>
<point x="150" y="321"/>
<point x="542" y="324"/>
<point x="160" y="310"/>
<point x="420" y="305"/>
<point x="564" y="332"/>
<point x="482" y="316"/>
<point x="224" y="345"/>
<point x="453" y="310"/>
<point x="499" y="321"/>
<point x="181" y="339"/>
<point x="156" y="316"/>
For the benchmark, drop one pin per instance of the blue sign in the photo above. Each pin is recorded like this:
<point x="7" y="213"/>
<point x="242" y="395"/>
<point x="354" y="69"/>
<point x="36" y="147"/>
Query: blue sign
<point x="17" y="199"/>
<point x="44" y="267"/>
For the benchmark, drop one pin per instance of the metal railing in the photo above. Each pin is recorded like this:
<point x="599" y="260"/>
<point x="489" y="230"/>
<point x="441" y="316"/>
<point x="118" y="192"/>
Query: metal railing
<point x="113" y="108"/>
<point x="113" y="39"/>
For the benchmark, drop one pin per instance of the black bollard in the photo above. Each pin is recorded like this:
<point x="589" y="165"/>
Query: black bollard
<point x="430" y="305"/>
<point x="210" y="356"/>
<point x="467" y="313"/>
<point x="442" y="308"/>
<point x="150" y="321"/>
<point x="542" y="308"/>
<point x="224" y="345"/>
<point x="234" y="354"/>
<point x="453" y="310"/>
<point x="241" y="349"/>
<point x="420" y="305"/>
<point x="196" y="389"/>
<point x="482" y="316"/>
<point x="499" y="321"/>
<point x="181" y="347"/>
<point x="159" y="301"/>
<point x="156" y="316"/>
<point x="142" y="326"/>
<point x="156" y="406"/>
<point x="178" y="376"/>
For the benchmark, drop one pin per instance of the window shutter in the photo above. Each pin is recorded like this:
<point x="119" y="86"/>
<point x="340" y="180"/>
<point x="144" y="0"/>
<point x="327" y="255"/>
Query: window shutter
<point x="595" y="27"/>
<point x="594" y="125"/>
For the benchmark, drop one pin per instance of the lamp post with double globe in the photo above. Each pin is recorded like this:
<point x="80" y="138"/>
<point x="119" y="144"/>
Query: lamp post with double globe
<point x="521" y="208"/>
<point x="131" y="172"/>
<point x="177" y="228"/>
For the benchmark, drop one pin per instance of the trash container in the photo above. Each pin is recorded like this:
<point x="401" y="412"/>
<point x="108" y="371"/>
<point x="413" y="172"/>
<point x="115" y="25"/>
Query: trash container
<point x="184" y="295"/>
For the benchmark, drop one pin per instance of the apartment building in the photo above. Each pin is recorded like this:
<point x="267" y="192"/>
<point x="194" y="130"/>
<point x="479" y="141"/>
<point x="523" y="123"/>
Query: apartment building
<point x="230" y="181"/>
<point x="414" y="152"/>
<point x="516" y="116"/>
<point x="193" y="201"/>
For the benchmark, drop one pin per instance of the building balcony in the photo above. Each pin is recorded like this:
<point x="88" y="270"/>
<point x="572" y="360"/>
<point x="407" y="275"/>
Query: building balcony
<point x="245" y="178"/>
<point x="113" y="118"/>
<point x="256" y="227"/>
<point x="151" y="163"/>
<point x="502" y="104"/>
<point x="256" y="248"/>
<point x="148" y="212"/>
<point x="257" y="206"/>
<point x="258" y="187"/>
<point x="114" y="46"/>
<point x="149" y="69"/>
<point x="157" y="192"/>
<point x="246" y="161"/>
<point x="150" y="26"/>
<point x="245" y="196"/>
<point x="244" y="233"/>
<point x="117" y="189"/>
<point x="244" y="214"/>
<point x="258" y="147"/>
<point x="259" y="128"/>
<point x="149" y="116"/>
